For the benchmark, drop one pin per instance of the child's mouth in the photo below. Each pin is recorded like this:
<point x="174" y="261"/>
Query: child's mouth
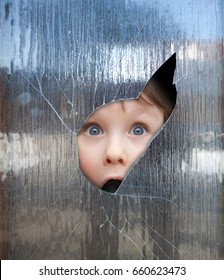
<point x="111" y="185"/>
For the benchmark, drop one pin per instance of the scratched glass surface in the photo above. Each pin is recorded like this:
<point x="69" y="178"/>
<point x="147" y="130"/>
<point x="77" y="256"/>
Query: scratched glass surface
<point x="59" y="61"/>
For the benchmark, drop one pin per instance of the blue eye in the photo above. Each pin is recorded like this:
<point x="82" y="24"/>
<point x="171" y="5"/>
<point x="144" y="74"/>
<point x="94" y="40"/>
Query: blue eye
<point x="94" y="130"/>
<point x="138" y="130"/>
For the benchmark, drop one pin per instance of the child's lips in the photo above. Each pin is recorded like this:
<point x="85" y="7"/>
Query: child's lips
<point x="112" y="184"/>
<point x="115" y="177"/>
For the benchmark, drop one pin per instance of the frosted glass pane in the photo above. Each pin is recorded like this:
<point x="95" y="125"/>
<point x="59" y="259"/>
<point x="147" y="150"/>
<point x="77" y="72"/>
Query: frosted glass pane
<point x="59" y="61"/>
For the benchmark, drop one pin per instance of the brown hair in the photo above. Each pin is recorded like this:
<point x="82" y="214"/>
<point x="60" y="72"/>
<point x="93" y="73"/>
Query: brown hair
<point x="152" y="95"/>
<point x="153" y="92"/>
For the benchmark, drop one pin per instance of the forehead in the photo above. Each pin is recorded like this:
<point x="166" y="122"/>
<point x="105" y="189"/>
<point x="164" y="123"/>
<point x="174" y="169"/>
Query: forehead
<point x="131" y="107"/>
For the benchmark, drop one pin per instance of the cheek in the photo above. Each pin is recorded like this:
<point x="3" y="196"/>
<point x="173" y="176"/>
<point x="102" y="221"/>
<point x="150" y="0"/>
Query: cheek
<point x="87" y="165"/>
<point x="138" y="147"/>
<point x="87" y="159"/>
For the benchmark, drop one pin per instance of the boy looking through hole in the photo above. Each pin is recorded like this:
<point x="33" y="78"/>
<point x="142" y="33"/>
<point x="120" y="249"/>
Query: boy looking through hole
<point x="117" y="134"/>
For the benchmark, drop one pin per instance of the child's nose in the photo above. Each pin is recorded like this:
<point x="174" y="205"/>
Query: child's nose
<point x="115" y="154"/>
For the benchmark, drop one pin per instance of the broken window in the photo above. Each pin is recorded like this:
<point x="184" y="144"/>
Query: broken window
<point x="60" y="61"/>
<point x="117" y="134"/>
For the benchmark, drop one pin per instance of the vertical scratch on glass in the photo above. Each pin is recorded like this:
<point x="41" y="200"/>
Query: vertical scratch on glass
<point x="48" y="102"/>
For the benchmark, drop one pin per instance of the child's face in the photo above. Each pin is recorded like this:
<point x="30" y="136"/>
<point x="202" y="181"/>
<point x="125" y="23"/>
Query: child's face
<point x="115" y="136"/>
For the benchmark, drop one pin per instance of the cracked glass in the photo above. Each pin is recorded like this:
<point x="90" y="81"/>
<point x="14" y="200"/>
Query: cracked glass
<point x="59" y="62"/>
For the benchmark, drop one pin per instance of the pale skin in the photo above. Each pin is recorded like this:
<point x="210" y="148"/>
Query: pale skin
<point x="115" y="136"/>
